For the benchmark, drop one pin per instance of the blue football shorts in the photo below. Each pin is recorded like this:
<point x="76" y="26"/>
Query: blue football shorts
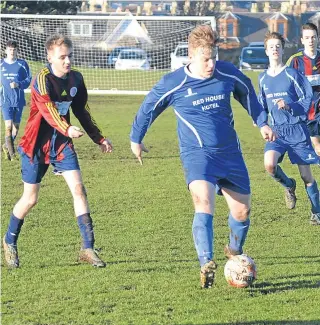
<point x="33" y="170"/>
<point x="224" y="170"/>
<point x="12" y="113"/>
<point x="314" y="127"/>
<point x="295" y="140"/>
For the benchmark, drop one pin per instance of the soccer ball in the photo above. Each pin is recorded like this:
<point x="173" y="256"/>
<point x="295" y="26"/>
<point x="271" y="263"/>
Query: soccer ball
<point x="240" y="271"/>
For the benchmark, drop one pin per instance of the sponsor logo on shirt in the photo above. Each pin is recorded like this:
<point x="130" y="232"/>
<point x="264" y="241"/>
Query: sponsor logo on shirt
<point x="64" y="93"/>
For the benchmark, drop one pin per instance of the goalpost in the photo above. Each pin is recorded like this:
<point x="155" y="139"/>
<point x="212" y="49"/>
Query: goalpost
<point x="142" y="45"/>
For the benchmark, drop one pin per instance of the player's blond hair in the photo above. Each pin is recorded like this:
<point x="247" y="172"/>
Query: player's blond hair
<point x="274" y="35"/>
<point x="202" y="36"/>
<point x="58" y="40"/>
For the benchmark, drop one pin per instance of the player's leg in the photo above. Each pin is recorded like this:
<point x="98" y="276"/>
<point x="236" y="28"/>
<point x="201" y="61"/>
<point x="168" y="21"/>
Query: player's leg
<point x="17" y="115"/>
<point x="81" y="207"/>
<point x="239" y="220"/>
<point x="203" y="196"/>
<point x="32" y="173"/>
<point x="312" y="192"/>
<point x="316" y="144"/>
<point x="271" y="159"/>
<point x="8" y="147"/>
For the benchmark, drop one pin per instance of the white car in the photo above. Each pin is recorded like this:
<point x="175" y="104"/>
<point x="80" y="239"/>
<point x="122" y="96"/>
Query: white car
<point x="132" y="59"/>
<point x="180" y="58"/>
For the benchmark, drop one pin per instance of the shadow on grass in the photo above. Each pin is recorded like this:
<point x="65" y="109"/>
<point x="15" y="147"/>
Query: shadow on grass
<point x="265" y="288"/>
<point x="271" y="322"/>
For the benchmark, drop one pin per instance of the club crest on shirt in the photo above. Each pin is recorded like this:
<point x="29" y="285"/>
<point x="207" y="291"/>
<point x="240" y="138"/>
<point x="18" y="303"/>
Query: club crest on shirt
<point x="73" y="91"/>
<point x="190" y="93"/>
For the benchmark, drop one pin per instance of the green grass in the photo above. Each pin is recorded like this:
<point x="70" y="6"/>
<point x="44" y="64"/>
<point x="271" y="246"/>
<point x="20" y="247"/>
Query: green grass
<point x="111" y="79"/>
<point x="143" y="217"/>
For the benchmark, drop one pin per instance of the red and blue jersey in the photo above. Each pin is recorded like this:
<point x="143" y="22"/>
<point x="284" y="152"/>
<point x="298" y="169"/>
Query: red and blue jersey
<point x="19" y="72"/>
<point x="47" y="126"/>
<point x="310" y="67"/>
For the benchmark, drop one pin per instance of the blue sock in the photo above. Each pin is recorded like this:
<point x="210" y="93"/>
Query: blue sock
<point x="238" y="233"/>
<point x="313" y="194"/>
<point x="13" y="231"/>
<point x="282" y="178"/>
<point x="202" y="230"/>
<point x="86" y="230"/>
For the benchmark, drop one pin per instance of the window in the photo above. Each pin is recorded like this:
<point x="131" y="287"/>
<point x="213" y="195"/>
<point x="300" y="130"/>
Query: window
<point x="81" y="29"/>
<point x="230" y="29"/>
<point x="281" y="28"/>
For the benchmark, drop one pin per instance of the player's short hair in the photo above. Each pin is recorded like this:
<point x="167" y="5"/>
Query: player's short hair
<point x="274" y="35"/>
<point x="12" y="43"/>
<point x="202" y="36"/>
<point x="309" y="26"/>
<point x="58" y="40"/>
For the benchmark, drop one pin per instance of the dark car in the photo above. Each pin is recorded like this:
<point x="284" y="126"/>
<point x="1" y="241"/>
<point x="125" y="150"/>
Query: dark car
<point x="253" y="58"/>
<point x="114" y="54"/>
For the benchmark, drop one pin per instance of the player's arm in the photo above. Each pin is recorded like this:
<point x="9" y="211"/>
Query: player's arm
<point x="158" y="99"/>
<point x="245" y="94"/>
<point x="25" y="83"/>
<point x="262" y="96"/>
<point x="81" y="110"/>
<point x="305" y="94"/>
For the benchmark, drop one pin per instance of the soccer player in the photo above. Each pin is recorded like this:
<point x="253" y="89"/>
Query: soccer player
<point x="209" y="147"/>
<point x="308" y="63"/>
<point x="15" y="77"/>
<point x="286" y="94"/>
<point x="48" y="140"/>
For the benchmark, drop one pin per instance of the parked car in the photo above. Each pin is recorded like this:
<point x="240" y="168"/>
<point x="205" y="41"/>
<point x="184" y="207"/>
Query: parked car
<point x="132" y="59"/>
<point x="256" y="44"/>
<point x="253" y="58"/>
<point x="113" y="56"/>
<point x="179" y="57"/>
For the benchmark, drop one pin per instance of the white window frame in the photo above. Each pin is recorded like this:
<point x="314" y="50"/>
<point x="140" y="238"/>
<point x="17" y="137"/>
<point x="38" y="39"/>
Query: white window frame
<point x="81" y="24"/>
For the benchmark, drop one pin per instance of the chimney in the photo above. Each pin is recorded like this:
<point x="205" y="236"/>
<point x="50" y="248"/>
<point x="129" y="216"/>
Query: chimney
<point x="174" y="8"/>
<point x="254" y="7"/>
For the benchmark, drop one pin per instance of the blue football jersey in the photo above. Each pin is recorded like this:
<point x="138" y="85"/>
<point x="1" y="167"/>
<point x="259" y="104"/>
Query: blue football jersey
<point x="291" y="86"/>
<point x="202" y="107"/>
<point x="19" y="72"/>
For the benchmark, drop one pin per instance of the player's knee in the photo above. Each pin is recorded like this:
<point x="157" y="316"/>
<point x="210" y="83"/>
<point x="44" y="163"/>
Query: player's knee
<point x="242" y="214"/>
<point x="31" y="202"/>
<point x="307" y="178"/>
<point x="8" y="130"/>
<point x="270" y="168"/>
<point x="80" y="191"/>
<point x="202" y="201"/>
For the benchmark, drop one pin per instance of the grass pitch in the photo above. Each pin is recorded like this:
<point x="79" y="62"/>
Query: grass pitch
<point x="143" y="217"/>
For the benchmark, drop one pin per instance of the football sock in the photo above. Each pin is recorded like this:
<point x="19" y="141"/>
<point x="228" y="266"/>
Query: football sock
<point x="282" y="178"/>
<point x="313" y="194"/>
<point x="13" y="231"/>
<point x="86" y="230"/>
<point x="202" y="230"/>
<point x="238" y="233"/>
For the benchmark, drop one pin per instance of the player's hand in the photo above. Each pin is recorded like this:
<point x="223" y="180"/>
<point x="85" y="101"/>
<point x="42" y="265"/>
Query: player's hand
<point x="137" y="149"/>
<point x="282" y="104"/>
<point x="74" y="132"/>
<point x="267" y="133"/>
<point x="14" y="85"/>
<point x="106" y="146"/>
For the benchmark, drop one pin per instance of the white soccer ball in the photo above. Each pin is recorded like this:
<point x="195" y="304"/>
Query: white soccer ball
<point x="240" y="271"/>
